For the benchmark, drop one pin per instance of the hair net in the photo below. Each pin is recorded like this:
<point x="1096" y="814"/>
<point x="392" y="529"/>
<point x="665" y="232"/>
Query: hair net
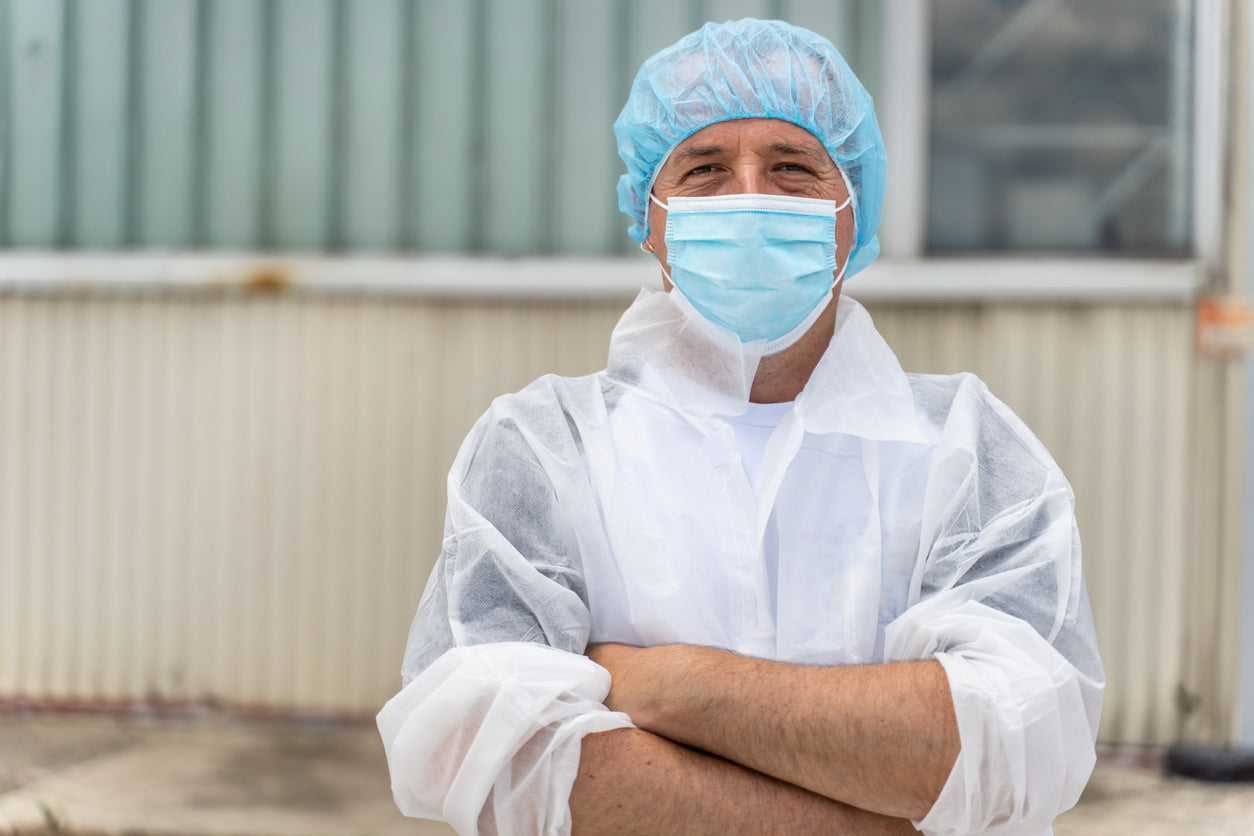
<point x="745" y="69"/>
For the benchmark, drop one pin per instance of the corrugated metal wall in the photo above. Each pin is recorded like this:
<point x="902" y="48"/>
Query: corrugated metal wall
<point x="467" y="126"/>
<point x="238" y="500"/>
<point x="239" y="497"/>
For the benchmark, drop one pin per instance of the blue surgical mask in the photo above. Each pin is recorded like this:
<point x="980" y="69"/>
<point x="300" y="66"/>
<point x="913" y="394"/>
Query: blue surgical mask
<point x="759" y="265"/>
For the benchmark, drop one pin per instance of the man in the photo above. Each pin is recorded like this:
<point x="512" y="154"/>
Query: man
<point x="752" y="578"/>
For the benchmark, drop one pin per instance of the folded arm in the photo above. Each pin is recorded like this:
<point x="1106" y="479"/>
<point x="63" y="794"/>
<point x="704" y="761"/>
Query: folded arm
<point x="633" y="782"/>
<point x="882" y="738"/>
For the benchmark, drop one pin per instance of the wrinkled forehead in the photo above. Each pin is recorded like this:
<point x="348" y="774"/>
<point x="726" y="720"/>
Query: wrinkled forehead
<point x="773" y="134"/>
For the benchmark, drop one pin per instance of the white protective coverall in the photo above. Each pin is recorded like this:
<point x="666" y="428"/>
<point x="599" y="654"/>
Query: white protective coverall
<point x="897" y="517"/>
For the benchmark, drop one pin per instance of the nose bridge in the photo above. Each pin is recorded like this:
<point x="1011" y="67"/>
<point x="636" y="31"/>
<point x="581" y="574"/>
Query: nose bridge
<point x="750" y="177"/>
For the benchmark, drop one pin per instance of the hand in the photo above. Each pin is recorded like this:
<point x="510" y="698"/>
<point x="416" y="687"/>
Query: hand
<point x="641" y="678"/>
<point x="632" y="676"/>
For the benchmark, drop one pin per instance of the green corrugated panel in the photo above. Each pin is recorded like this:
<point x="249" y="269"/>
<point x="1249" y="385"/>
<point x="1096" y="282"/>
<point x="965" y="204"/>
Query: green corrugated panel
<point x="446" y="131"/>
<point x="170" y="140"/>
<point x="301" y="176"/>
<point x="233" y="53"/>
<point x="384" y="125"/>
<point x="373" y="119"/>
<point x="591" y="56"/>
<point x="34" y="121"/>
<point x="99" y="187"/>
<point x="518" y="187"/>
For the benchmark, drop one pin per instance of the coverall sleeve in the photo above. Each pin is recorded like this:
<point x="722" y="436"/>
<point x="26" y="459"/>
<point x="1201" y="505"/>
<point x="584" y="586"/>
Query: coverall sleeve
<point x="486" y="732"/>
<point x="999" y="601"/>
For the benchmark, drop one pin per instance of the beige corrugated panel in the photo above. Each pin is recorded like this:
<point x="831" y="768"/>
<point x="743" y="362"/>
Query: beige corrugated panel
<point x="239" y="498"/>
<point x="1207" y="696"/>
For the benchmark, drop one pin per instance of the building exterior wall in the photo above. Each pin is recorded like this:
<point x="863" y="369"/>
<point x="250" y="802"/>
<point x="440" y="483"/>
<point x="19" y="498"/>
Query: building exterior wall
<point x="238" y="497"/>
<point x="235" y="495"/>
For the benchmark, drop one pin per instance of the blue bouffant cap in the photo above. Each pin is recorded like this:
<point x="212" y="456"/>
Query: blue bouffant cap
<point x="748" y="69"/>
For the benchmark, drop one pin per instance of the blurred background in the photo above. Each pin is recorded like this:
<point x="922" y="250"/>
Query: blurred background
<point x="265" y="261"/>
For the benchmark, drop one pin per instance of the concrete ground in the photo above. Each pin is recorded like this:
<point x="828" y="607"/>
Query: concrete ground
<point x="212" y="776"/>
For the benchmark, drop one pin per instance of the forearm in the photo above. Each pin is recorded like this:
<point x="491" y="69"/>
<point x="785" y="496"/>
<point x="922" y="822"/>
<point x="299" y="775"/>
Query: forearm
<point x="879" y="737"/>
<point x="634" y="782"/>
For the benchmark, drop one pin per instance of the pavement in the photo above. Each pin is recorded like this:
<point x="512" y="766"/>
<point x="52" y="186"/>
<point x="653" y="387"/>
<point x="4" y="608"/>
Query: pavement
<point x="64" y="774"/>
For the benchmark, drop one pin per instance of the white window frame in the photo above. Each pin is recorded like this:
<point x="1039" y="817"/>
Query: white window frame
<point x="907" y="272"/>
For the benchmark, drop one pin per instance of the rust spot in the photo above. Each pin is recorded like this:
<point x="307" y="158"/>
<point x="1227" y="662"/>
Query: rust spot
<point x="267" y="280"/>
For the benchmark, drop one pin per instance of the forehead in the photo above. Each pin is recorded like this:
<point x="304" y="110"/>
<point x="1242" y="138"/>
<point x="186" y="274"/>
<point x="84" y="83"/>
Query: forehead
<point x="750" y="136"/>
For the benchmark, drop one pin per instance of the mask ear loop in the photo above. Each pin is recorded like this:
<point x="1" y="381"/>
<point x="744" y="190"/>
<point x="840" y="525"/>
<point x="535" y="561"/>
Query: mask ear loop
<point x="840" y="277"/>
<point x="650" y="249"/>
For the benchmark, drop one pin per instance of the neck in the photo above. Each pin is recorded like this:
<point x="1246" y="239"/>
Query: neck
<point x="781" y="377"/>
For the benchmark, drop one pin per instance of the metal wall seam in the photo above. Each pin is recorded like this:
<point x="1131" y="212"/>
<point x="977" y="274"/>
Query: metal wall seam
<point x="6" y="118"/>
<point x="268" y="173"/>
<point x="134" y="122"/>
<point x="71" y="32"/>
<point x="336" y="128"/>
<point x="198" y="194"/>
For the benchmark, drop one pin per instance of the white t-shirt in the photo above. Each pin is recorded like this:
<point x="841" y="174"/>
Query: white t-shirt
<point x="753" y="430"/>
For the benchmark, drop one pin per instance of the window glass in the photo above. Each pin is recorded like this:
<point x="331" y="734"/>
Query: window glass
<point x="1061" y="125"/>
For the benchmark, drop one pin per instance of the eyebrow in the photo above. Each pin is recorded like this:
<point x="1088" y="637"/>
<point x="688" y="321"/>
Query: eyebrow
<point x="697" y="151"/>
<point x="793" y="150"/>
<point x="701" y="151"/>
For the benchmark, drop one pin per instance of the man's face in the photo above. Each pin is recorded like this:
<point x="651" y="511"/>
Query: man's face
<point x="750" y="156"/>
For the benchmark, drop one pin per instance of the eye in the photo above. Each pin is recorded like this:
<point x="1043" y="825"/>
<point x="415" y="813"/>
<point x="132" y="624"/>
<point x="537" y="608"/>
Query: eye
<point x="699" y="170"/>
<point x="794" y="168"/>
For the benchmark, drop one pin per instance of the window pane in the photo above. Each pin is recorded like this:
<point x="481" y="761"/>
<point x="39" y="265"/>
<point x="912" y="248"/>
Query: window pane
<point x="1061" y="125"/>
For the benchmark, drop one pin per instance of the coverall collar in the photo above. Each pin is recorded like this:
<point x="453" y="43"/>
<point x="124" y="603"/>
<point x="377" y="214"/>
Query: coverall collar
<point x="858" y="388"/>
